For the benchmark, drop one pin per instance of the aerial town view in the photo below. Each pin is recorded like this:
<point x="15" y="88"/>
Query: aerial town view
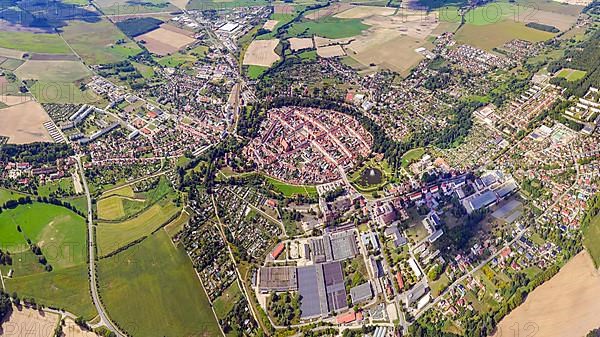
<point x="290" y="168"/>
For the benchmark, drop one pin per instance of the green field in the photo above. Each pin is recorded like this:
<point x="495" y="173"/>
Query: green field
<point x="591" y="239"/>
<point x="412" y="155"/>
<point x="112" y="236"/>
<point x="125" y="191"/>
<point x="61" y="234"/>
<point x="120" y="7"/>
<point x="328" y="27"/>
<point x="152" y="290"/>
<point x="146" y="71"/>
<point x="65" y="93"/>
<point x="496" y="34"/>
<point x="57" y="186"/>
<point x="571" y="75"/>
<point x="34" y="43"/>
<point x="254" y="72"/>
<point x="224" y="303"/>
<point x="6" y="195"/>
<point x="177" y="225"/>
<point x="176" y="60"/>
<point x="290" y="190"/>
<point x="97" y="43"/>
<point x="53" y="71"/>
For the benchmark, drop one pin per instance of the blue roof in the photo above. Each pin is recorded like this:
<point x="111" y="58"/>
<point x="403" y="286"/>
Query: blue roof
<point x="483" y="200"/>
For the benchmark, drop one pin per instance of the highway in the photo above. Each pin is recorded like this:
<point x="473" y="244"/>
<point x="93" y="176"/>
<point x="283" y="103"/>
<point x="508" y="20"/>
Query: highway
<point x="104" y="319"/>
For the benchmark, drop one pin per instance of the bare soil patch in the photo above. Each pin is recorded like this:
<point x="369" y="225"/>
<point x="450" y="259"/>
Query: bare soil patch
<point x="11" y="53"/>
<point x="361" y="12"/>
<point x="13" y="100"/>
<point x="261" y="53"/>
<point x="29" y="322"/>
<point x="166" y="39"/>
<point x="300" y="43"/>
<point x="73" y="330"/>
<point x="23" y="123"/>
<point x="270" y="25"/>
<point x="565" y="306"/>
<point x="330" y="10"/>
<point x="331" y="51"/>
<point x="283" y="9"/>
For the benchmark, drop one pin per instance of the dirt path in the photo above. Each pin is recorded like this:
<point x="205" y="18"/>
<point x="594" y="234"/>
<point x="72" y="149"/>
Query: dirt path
<point x="565" y="306"/>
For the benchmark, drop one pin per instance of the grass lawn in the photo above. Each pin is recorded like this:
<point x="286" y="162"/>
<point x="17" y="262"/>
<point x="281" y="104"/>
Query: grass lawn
<point x="64" y="184"/>
<point x="308" y="55"/>
<point x="6" y="195"/>
<point x="112" y="236"/>
<point x="154" y="291"/>
<point x="224" y="303"/>
<point x="255" y="71"/>
<point x="289" y="190"/>
<point x="328" y="27"/>
<point x="34" y="43"/>
<point x="176" y="60"/>
<point x="96" y="42"/>
<point x="412" y="155"/>
<point x="145" y="71"/>
<point x="571" y="75"/>
<point x="591" y="239"/>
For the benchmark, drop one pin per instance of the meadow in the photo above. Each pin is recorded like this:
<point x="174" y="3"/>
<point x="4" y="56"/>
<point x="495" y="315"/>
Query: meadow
<point x="289" y="190"/>
<point x="34" y="42"/>
<point x="164" y="295"/>
<point x="96" y="42"/>
<point x="61" y="235"/>
<point x="6" y="195"/>
<point x="254" y="72"/>
<point x="65" y="93"/>
<point x="495" y="35"/>
<point x="112" y="236"/>
<point x="591" y="239"/>
<point x="328" y="27"/>
<point x="53" y="71"/>
<point x="224" y="303"/>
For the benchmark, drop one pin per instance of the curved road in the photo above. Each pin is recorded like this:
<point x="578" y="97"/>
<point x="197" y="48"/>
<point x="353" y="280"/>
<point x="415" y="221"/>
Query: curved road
<point x="104" y="319"/>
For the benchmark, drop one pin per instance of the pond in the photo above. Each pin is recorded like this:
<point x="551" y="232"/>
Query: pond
<point x="370" y="176"/>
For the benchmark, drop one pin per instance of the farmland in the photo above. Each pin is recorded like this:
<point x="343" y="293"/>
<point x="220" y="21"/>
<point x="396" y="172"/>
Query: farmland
<point x="97" y="43"/>
<point x="23" y="123"/>
<point x="165" y="40"/>
<point x="495" y="35"/>
<point x="112" y="236"/>
<point x="571" y="294"/>
<point x="61" y="235"/>
<point x="591" y="239"/>
<point x="55" y="71"/>
<point x="159" y="278"/>
<point x="119" y="7"/>
<point x="261" y="53"/>
<point x="55" y="92"/>
<point x="328" y="27"/>
<point x="34" y="43"/>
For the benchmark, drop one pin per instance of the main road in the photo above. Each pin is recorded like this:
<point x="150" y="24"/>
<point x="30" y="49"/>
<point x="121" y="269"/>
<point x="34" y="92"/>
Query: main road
<point x="104" y="319"/>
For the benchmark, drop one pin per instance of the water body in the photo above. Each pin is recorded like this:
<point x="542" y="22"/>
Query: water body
<point x="370" y="176"/>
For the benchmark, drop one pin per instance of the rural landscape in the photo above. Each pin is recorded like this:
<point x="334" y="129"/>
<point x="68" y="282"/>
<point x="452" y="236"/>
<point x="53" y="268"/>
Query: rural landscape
<point x="251" y="168"/>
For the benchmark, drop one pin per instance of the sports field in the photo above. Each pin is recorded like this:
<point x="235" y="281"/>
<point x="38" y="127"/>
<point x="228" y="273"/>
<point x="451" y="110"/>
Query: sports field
<point x="112" y="236"/>
<point x="571" y="75"/>
<point x="163" y="294"/>
<point x="96" y="42"/>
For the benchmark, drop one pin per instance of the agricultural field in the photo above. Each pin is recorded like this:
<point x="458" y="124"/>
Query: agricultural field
<point x="34" y="42"/>
<point x="112" y="236"/>
<point x="328" y="27"/>
<point x="165" y="40"/>
<point x="591" y="239"/>
<point x="159" y="278"/>
<point x="495" y="35"/>
<point x="300" y="43"/>
<point x="61" y="236"/>
<point x="97" y="43"/>
<point x="261" y="53"/>
<point x="53" y="71"/>
<point x="23" y="123"/>
<point x="571" y="294"/>
<point x="177" y="225"/>
<point x="120" y="7"/>
<point x="331" y="51"/>
<point x="571" y="75"/>
<point x="65" y="93"/>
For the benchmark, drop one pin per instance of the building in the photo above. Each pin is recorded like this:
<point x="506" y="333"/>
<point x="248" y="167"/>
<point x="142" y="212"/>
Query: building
<point x="277" y="279"/>
<point x="322" y="289"/>
<point x="361" y="293"/>
<point x="334" y="247"/>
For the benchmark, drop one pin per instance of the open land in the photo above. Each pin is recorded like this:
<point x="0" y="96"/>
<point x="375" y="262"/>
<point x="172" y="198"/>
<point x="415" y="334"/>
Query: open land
<point x="23" y="123"/>
<point x="161" y="288"/>
<point x="261" y="53"/>
<point x="495" y="35"/>
<point x="566" y="305"/>
<point x="331" y="51"/>
<point x="96" y="42"/>
<point x="300" y="43"/>
<point x="34" y="43"/>
<point x="29" y="322"/>
<point x="270" y="24"/>
<point x="165" y="40"/>
<point x="53" y="71"/>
